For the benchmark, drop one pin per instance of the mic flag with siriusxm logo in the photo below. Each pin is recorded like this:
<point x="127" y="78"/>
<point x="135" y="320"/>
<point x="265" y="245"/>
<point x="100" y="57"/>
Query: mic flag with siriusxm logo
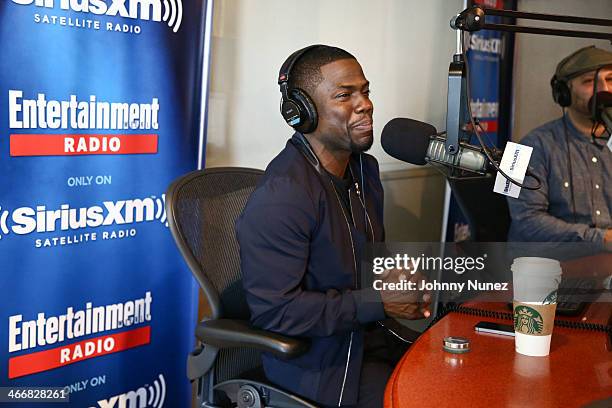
<point x="99" y="112"/>
<point x="514" y="163"/>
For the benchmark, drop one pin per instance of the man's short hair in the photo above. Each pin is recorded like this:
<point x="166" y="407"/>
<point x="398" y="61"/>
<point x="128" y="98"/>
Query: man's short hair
<point x="306" y="73"/>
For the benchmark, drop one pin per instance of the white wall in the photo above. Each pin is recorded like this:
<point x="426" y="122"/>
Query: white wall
<point x="404" y="47"/>
<point x="536" y="58"/>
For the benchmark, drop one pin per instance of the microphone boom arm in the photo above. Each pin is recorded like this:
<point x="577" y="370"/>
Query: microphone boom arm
<point x="474" y="19"/>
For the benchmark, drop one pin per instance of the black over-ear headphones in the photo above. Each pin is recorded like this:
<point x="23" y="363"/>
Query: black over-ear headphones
<point x="560" y="91"/>
<point x="297" y="108"/>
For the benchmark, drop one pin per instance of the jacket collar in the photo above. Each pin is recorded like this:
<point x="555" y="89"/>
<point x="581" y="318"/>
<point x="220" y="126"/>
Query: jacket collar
<point x="302" y="144"/>
<point x="358" y="215"/>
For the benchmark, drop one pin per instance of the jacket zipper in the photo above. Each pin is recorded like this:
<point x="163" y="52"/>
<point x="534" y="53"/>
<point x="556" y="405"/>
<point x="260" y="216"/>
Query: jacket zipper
<point x="367" y="217"/>
<point x="348" y="356"/>
<point x="372" y="234"/>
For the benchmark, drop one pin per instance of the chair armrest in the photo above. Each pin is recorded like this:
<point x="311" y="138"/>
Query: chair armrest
<point x="229" y="333"/>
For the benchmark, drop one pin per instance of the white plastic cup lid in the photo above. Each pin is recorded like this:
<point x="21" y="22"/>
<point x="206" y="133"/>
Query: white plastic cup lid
<point x="529" y="266"/>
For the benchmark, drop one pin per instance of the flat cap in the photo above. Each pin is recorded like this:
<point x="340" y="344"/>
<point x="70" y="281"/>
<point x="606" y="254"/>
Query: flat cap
<point x="584" y="60"/>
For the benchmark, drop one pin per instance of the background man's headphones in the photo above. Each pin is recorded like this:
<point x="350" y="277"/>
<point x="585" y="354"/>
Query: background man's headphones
<point x="297" y="108"/>
<point x="560" y="91"/>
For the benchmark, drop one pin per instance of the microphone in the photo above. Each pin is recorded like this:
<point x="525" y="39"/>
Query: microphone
<point x="601" y="106"/>
<point x="418" y="143"/>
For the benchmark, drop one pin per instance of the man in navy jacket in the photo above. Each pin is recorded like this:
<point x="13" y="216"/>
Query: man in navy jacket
<point x="303" y="230"/>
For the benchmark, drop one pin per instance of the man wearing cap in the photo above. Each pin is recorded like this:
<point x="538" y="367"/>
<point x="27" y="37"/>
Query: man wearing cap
<point x="572" y="161"/>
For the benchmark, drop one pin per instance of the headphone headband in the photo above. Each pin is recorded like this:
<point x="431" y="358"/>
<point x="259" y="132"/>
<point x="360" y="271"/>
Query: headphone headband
<point x="283" y="75"/>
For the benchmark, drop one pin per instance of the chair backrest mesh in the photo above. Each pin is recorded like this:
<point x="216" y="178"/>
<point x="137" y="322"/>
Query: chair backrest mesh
<point x="231" y="363"/>
<point x="206" y="208"/>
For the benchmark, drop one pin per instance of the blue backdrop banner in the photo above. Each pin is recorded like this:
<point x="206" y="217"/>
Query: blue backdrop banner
<point x="99" y="112"/>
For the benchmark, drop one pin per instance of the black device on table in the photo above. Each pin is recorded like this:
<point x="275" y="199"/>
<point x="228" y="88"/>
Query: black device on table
<point x="495" y="328"/>
<point x="573" y="294"/>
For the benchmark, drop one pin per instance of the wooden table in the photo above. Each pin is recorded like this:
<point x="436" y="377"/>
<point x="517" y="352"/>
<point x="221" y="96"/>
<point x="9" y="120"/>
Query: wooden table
<point x="577" y="371"/>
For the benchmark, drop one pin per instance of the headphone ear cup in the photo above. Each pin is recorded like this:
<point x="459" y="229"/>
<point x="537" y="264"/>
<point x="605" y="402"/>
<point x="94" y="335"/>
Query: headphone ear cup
<point x="291" y="112"/>
<point x="565" y="96"/>
<point x="308" y="111"/>
<point x="561" y="92"/>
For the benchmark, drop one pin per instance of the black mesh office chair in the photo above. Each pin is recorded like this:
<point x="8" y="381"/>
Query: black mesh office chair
<point x="202" y="207"/>
<point x="486" y="212"/>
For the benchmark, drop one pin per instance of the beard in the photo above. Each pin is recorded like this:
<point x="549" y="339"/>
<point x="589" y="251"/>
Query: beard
<point x="362" y="146"/>
<point x="582" y="107"/>
<point x="348" y="142"/>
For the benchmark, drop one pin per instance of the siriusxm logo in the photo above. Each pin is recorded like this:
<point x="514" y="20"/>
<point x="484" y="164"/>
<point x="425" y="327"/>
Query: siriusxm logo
<point x="507" y="186"/>
<point x="515" y="158"/>
<point x="147" y="396"/>
<point x="488" y="45"/>
<point x="25" y="220"/>
<point x="169" y="11"/>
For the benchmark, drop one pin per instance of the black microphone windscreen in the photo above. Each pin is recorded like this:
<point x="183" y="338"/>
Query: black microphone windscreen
<point x="407" y="139"/>
<point x="603" y="100"/>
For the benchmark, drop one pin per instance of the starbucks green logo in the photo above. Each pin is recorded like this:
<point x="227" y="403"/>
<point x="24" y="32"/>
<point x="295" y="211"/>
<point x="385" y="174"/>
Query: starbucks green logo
<point x="527" y="320"/>
<point x="551" y="298"/>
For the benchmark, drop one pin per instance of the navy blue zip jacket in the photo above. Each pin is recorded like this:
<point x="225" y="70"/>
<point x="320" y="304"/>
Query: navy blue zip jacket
<point x="300" y="256"/>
